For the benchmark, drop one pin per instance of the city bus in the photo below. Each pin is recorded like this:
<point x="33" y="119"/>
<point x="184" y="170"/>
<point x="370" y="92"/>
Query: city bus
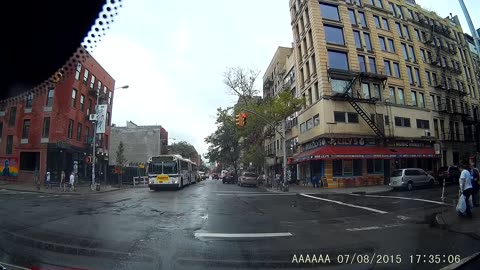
<point x="172" y="171"/>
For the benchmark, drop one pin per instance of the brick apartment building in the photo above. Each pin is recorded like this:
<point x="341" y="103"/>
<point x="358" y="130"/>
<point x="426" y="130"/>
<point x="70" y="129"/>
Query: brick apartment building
<point x="50" y="129"/>
<point x="387" y="85"/>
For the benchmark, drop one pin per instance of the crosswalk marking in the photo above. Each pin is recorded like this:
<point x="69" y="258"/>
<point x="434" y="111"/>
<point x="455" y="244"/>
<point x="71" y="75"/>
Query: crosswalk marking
<point x="346" y="204"/>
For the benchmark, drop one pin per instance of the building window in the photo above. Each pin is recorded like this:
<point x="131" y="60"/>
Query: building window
<point x="29" y="161"/>
<point x="77" y="72"/>
<point x="383" y="45"/>
<point x="74" y="98"/>
<point x="334" y="35"/>
<point x="366" y="91"/>
<point x="362" y="63"/>
<point x="375" y="166"/>
<point x="406" y="32"/>
<point x="393" y="98"/>
<point x="377" y="21"/>
<point x="396" y="70"/>
<point x="385" y="24"/>
<point x="417" y="34"/>
<point x="412" y="53"/>
<point x="99" y="86"/>
<point x="402" y="121"/>
<point x="404" y="50"/>
<point x="421" y="100"/>
<point x="414" y="98"/>
<point x="368" y="43"/>
<point x="12" y="117"/>
<point x="338" y="86"/>
<point x="358" y="41"/>
<point x="391" y="45"/>
<point x="417" y="74"/>
<point x="429" y="79"/>
<point x="310" y="101"/>
<point x="339" y="117"/>
<point x="410" y="74"/>
<point x="85" y="77"/>
<point x="372" y="65"/>
<point x="70" y="128"/>
<point x="315" y="90"/>
<point x="9" y="148"/>
<point x="302" y="128"/>
<point x="50" y="94"/>
<point x="29" y="101"/>
<point x="338" y="60"/>
<point x="388" y="71"/>
<point x="309" y="124"/>
<point x="26" y="129"/>
<point x="353" y="19"/>
<point x="46" y="127"/>
<point x="79" y="132"/>
<point x="399" y="29"/>
<point x="316" y="119"/>
<point x="422" y="54"/>
<point x="110" y="93"/>
<point x="347" y="167"/>
<point x="376" y="91"/>
<point x="352" y="117"/>
<point x="393" y="9"/>
<point x="363" y="22"/>
<point x="401" y="96"/>
<point x="329" y="12"/>
<point x="82" y="101"/>
<point x="92" y="82"/>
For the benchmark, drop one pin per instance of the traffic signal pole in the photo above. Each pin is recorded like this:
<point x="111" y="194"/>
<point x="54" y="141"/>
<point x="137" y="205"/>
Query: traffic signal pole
<point x="284" y="144"/>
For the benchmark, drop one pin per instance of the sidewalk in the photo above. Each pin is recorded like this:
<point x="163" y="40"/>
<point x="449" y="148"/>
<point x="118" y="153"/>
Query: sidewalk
<point x="451" y="221"/>
<point x="311" y="190"/>
<point x="84" y="189"/>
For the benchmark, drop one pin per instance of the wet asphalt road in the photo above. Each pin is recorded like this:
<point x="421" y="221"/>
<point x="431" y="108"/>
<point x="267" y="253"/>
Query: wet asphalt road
<point x="141" y="229"/>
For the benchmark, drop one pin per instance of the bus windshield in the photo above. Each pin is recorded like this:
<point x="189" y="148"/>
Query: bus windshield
<point x="169" y="167"/>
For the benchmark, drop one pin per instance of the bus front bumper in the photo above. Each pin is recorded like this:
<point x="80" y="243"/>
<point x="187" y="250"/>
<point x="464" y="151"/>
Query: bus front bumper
<point x="162" y="186"/>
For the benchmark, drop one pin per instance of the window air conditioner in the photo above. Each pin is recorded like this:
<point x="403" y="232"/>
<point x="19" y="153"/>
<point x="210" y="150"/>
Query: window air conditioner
<point x="427" y="133"/>
<point x="93" y="117"/>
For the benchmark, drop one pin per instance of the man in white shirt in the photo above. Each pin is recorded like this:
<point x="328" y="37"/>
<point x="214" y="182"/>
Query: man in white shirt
<point x="466" y="186"/>
<point x="72" y="182"/>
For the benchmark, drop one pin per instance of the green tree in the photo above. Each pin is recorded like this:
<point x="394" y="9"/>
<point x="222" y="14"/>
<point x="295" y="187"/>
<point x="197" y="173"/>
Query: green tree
<point x="184" y="149"/>
<point x="223" y="143"/>
<point x="120" y="160"/>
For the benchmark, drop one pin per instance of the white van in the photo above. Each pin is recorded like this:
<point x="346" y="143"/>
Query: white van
<point x="410" y="177"/>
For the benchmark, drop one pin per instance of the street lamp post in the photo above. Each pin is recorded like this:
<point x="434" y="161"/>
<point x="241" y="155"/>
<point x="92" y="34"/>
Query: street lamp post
<point x="94" y="156"/>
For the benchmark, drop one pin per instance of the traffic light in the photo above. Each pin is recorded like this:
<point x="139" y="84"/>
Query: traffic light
<point x="241" y="119"/>
<point x="244" y="117"/>
<point x="237" y="120"/>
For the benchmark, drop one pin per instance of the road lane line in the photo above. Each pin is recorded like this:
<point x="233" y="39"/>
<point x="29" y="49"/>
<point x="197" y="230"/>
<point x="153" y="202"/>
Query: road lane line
<point x="257" y="194"/>
<point x="346" y="204"/>
<point x="402" y="198"/>
<point x="241" y="235"/>
<point x="374" y="227"/>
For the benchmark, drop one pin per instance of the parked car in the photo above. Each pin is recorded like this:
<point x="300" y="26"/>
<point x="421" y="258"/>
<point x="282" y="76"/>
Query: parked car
<point x="410" y="177"/>
<point x="248" y="178"/>
<point x="215" y="176"/>
<point x="228" y="178"/>
<point x="449" y="174"/>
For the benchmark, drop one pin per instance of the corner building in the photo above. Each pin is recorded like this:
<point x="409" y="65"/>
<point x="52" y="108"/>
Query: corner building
<point x="387" y="85"/>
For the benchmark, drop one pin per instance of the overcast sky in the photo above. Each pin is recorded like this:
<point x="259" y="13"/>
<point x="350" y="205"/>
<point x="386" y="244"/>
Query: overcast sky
<point x="172" y="55"/>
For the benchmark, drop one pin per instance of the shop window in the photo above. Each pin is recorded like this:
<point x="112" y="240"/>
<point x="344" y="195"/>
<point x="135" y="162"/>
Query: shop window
<point x="29" y="161"/>
<point x="347" y="167"/>
<point x="375" y="166"/>
<point x="337" y="168"/>
<point x="357" y="167"/>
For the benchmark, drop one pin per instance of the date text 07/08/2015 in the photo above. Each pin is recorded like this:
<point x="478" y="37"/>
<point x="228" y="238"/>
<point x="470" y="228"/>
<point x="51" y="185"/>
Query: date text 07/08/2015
<point x="374" y="258"/>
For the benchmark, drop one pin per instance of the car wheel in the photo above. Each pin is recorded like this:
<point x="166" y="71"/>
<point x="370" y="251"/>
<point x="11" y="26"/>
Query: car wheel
<point x="410" y="186"/>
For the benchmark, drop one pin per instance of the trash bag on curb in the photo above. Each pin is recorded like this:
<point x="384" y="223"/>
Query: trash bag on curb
<point x="461" y="205"/>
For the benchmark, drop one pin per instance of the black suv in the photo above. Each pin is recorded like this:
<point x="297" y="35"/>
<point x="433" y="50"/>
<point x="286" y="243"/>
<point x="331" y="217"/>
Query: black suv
<point x="449" y="174"/>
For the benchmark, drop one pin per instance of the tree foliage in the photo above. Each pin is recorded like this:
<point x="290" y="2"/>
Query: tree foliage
<point x="120" y="159"/>
<point x="184" y="149"/>
<point x="241" y="82"/>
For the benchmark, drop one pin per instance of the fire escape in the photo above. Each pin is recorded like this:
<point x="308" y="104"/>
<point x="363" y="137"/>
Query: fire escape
<point x="354" y="97"/>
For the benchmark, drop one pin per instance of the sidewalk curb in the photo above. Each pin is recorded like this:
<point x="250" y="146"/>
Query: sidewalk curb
<point x="441" y="224"/>
<point x="328" y="192"/>
<point x="56" y="193"/>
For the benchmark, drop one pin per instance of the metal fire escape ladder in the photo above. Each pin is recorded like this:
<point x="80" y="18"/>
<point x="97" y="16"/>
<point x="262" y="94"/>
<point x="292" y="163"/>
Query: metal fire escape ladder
<point x="348" y="94"/>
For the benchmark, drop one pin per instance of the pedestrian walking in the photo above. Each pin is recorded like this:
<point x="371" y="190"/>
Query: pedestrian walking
<point x="316" y="181"/>
<point x="475" y="185"/>
<point x="47" y="180"/>
<point x="63" y="181"/>
<point x="465" y="187"/>
<point x="72" y="182"/>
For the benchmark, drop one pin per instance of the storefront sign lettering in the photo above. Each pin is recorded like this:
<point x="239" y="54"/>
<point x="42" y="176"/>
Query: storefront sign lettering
<point x="411" y="144"/>
<point x="339" y="141"/>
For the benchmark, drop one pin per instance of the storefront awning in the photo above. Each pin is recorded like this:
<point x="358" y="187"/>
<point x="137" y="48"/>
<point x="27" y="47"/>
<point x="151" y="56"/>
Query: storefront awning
<point x="361" y="152"/>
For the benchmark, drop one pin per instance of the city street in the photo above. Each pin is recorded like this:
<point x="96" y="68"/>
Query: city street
<point x="211" y="225"/>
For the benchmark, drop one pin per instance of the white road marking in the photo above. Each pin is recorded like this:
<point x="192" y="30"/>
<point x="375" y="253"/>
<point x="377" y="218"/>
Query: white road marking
<point x="402" y="198"/>
<point x="241" y="235"/>
<point x="256" y="194"/>
<point x="41" y="196"/>
<point x="374" y="227"/>
<point x="403" y="217"/>
<point x="346" y="204"/>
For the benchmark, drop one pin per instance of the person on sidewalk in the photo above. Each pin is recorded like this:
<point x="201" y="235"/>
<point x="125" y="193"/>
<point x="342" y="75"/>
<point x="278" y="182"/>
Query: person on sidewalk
<point x="466" y="186"/>
<point x="63" y="181"/>
<point x="315" y="181"/>
<point x="72" y="182"/>
<point x="47" y="180"/>
<point x="475" y="185"/>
